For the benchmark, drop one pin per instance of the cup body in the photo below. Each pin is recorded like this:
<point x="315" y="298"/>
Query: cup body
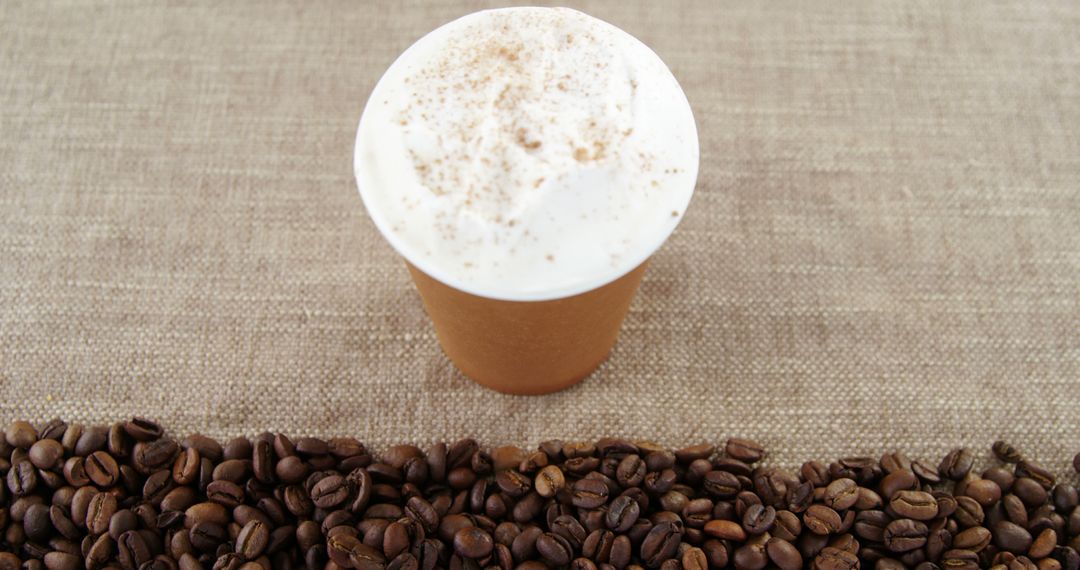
<point x="527" y="347"/>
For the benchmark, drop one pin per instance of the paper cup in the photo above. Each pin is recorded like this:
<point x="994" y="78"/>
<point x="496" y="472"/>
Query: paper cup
<point x="521" y="312"/>
<point x="527" y="347"/>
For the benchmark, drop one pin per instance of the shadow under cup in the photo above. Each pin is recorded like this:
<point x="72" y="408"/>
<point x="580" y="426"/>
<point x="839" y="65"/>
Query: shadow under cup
<point x="527" y="347"/>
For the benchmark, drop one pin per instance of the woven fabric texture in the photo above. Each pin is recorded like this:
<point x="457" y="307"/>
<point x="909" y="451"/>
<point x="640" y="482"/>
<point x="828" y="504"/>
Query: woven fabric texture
<point x="883" y="251"/>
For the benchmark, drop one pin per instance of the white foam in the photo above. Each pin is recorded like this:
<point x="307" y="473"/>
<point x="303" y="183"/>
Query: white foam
<point x="527" y="153"/>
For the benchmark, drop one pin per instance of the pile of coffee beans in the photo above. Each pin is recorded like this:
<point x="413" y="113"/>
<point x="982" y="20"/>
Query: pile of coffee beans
<point x="127" y="496"/>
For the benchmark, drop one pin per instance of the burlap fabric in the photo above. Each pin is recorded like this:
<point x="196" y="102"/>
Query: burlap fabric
<point x="883" y="251"/>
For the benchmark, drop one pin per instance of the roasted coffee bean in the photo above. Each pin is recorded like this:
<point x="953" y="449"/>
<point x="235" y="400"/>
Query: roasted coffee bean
<point x="903" y="535"/>
<point x="151" y="455"/>
<point x="758" y="519"/>
<point x="121" y="522"/>
<point x="100" y="510"/>
<point x="959" y="558"/>
<point x="956" y="464"/>
<point x="330" y="492"/>
<point x="1029" y="491"/>
<point x="1034" y="471"/>
<point x="513" y="483"/>
<point x="1044" y="544"/>
<point x="549" y="481"/>
<point x="186" y="466"/>
<point x="1011" y="537"/>
<point x="721" y="484"/>
<point x="820" y="519"/>
<point x="751" y="556"/>
<point x="45" y="453"/>
<point x="205" y="512"/>
<point x="225" y="492"/>
<point x="589" y="493"/>
<point x="207" y="536"/>
<point x="916" y="505"/>
<point x="744" y="450"/>
<point x="968" y="512"/>
<point x="870" y="525"/>
<point x="36" y="522"/>
<point x="725" y="529"/>
<point x="252" y="540"/>
<point x="783" y="554"/>
<point x="22" y="478"/>
<point x="975" y="539"/>
<point x="1006" y="452"/>
<point x="841" y="494"/>
<point x="102" y="469"/>
<point x="20" y="434"/>
<point x="57" y="560"/>
<point x="133" y="550"/>
<point x="984" y="491"/>
<point x="661" y="543"/>
<point x="423" y="513"/>
<point x="473" y="542"/>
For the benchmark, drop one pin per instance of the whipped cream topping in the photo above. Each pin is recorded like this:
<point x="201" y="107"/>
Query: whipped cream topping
<point x="527" y="153"/>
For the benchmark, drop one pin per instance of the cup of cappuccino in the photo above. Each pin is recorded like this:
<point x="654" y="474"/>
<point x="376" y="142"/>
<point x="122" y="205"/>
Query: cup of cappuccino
<point x="526" y="163"/>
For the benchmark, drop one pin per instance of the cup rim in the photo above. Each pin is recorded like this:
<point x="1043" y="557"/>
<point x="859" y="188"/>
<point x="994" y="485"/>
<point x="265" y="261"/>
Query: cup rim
<point x="410" y="254"/>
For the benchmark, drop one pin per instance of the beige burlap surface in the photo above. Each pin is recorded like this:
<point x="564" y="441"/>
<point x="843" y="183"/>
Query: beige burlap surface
<point x="883" y="251"/>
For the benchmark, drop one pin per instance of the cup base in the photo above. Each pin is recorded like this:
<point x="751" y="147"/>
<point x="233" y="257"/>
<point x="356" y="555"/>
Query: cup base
<point x="527" y="347"/>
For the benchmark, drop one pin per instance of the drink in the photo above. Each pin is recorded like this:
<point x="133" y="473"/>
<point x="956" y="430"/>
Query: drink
<point x="526" y="163"/>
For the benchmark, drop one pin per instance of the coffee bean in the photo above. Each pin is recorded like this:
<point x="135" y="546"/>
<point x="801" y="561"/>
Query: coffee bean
<point x="751" y="556"/>
<point x="725" y="529"/>
<point x="841" y="494"/>
<point x="589" y="493"/>
<point x="903" y="535"/>
<point x="473" y="542"/>
<point x="186" y="466"/>
<point x="207" y="536"/>
<point x="1005" y="452"/>
<point x="252" y="540"/>
<point x="151" y="455"/>
<point x="820" y="519"/>
<point x="661" y="543"/>
<point x="744" y="450"/>
<point x="22" y="478"/>
<point x="549" y="481"/>
<point x="975" y="539"/>
<point x="1029" y="491"/>
<point x="916" y="505"/>
<point x="960" y="558"/>
<point x="100" y="510"/>
<point x="1036" y="472"/>
<point x="423" y="513"/>
<point x="721" y="484"/>
<point x="968" y="512"/>
<point x="20" y="434"/>
<point x="1044" y="544"/>
<point x="1011" y="537"/>
<point x="339" y="547"/>
<point x="36" y="522"/>
<point x="60" y="561"/>
<point x="102" y="469"/>
<point x="45" y="453"/>
<point x="956" y="464"/>
<point x="758" y="519"/>
<point x="205" y="512"/>
<point x="513" y="483"/>
<point x="330" y="492"/>
<point x="132" y="549"/>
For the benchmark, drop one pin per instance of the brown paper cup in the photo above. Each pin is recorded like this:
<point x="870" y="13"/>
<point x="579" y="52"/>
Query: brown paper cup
<point x="527" y="347"/>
